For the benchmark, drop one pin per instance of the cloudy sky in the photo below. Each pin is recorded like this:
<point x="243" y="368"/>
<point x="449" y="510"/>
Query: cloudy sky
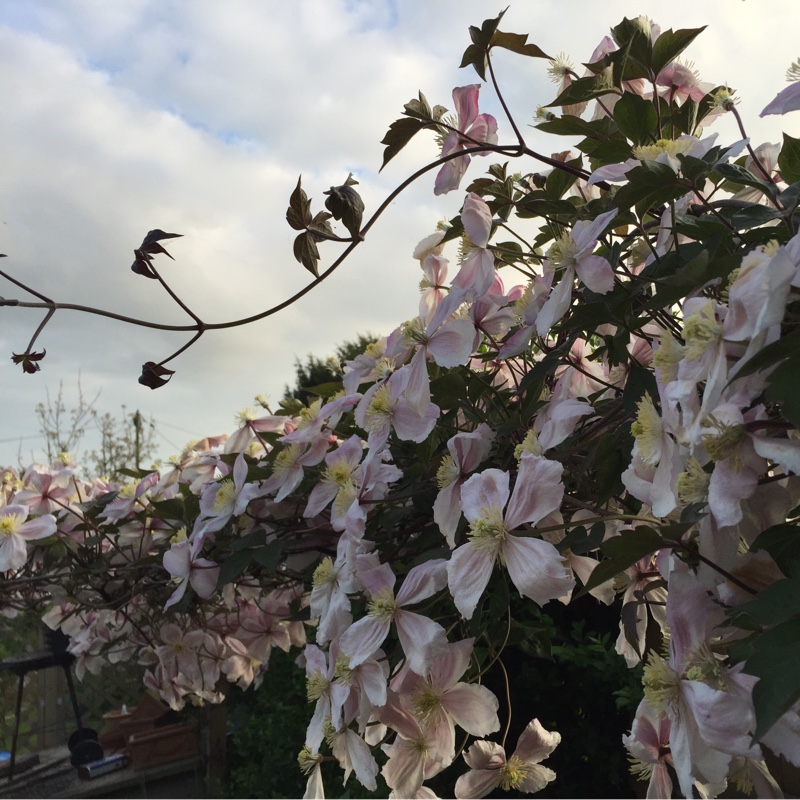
<point x="197" y="117"/>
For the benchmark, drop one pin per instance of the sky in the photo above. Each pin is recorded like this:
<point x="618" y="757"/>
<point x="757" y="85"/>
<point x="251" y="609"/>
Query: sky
<point x="197" y="117"/>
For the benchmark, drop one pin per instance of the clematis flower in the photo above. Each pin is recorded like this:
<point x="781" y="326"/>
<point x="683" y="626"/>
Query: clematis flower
<point x="573" y="252"/>
<point x="786" y="100"/>
<point x="185" y="568"/>
<point x="535" y="567"/>
<point x="16" y="532"/>
<point x="466" y="451"/>
<point x="489" y="767"/>
<point x="421" y="638"/>
<point x="479" y="127"/>
<point x="440" y="701"/>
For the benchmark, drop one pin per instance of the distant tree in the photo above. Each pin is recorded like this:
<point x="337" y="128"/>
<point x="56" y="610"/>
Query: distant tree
<point x="126" y="442"/>
<point x="316" y="372"/>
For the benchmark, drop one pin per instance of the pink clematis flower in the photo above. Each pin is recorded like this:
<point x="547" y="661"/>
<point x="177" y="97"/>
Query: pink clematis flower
<point x="421" y="638"/>
<point x="467" y="450"/>
<point x="489" y="767"/>
<point x="573" y="252"/>
<point x="785" y="101"/>
<point x="478" y="127"/>
<point x="535" y="567"/>
<point x="183" y="565"/>
<point x="440" y="701"/>
<point x="15" y="533"/>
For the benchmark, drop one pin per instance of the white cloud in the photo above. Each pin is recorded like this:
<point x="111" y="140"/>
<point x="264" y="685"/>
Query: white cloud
<point x="197" y="117"/>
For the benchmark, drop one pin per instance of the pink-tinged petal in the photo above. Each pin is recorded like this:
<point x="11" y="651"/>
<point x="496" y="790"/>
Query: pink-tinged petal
<point x="447" y="511"/>
<point x="373" y="681"/>
<point x="465" y="99"/>
<point x="468" y="573"/>
<point x="537" y="492"/>
<point x="613" y="172"/>
<point x="485" y="755"/>
<point x="596" y="273"/>
<point x="447" y="669"/>
<point x="177" y="560"/>
<point x="315" y="790"/>
<point x="470" y="449"/>
<point x="562" y="420"/>
<point x="535" y="743"/>
<point x="693" y="758"/>
<point x="786" y="100"/>
<point x="418" y="388"/>
<point x="421" y="638"/>
<point x="477" y="783"/>
<point x="363" y="638"/>
<point x="38" y="528"/>
<point x="404" y="771"/>
<point x="476" y="274"/>
<point x="351" y="749"/>
<point x="477" y="219"/>
<point x="537" y="778"/>
<point x="557" y="304"/>
<point x="489" y="489"/>
<point x="423" y="581"/>
<point x="727" y="488"/>
<point x="784" y="452"/>
<point x="537" y="569"/>
<point x="177" y="595"/>
<point x="451" y="173"/>
<point x="374" y="578"/>
<point x="204" y="577"/>
<point x="586" y="232"/>
<point x="451" y="345"/>
<point x="516" y="343"/>
<point x="412" y="426"/>
<point x="473" y="708"/>
<point x="725" y="719"/>
<point x="484" y="130"/>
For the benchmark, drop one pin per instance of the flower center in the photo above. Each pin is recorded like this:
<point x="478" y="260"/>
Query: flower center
<point x="316" y="685"/>
<point x="670" y="147"/>
<point x="379" y="409"/>
<point x="563" y="251"/>
<point x="383" y="605"/>
<point x="725" y="443"/>
<point x="8" y="524"/>
<point x="660" y="683"/>
<point x="448" y="472"/>
<point x="648" y="431"/>
<point x="488" y="532"/>
<point x="225" y="496"/>
<point x="668" y="356"/>
<point x="342" y="672"/>
<point x="513" y="773"/>
<point x="324" y="573"/>
<point x="286" y="459"/>
<point x="701" y="331"/>
<point x="426" y="702"/>
<point x="307" y="761"/>
<point x="692" y="485"/>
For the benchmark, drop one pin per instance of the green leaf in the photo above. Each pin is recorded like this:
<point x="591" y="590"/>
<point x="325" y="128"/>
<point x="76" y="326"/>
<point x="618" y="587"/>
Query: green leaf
<point x="570" y="125"/>
<point x="298" y="215"/>
<point x="776" y="663"/>
<point x="784" y="388"/>
<point x="636" y="118"/>
<point x="636" y="45"/>
<point x="345" y="203"/>
<point x="623" y="551"/>
<point x="517" y="43"/>
<point x="772" y="354"/>
<point x="475" y="56"/>
<point x="306" y="252"/>
<point x="269" y="556"/>
<point x="234" y="566"/>
<point x="650" y="184"/>
<point x="400" y="133"/>
<point x="782" y="542"/>
<point x="789" y="159"/>
<point x="752" y="216"/>
<point x="559" y="180"/>
<point x="580" y="91"/>
<point x="670" y="44"/>
<point x="738" y="174"/>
